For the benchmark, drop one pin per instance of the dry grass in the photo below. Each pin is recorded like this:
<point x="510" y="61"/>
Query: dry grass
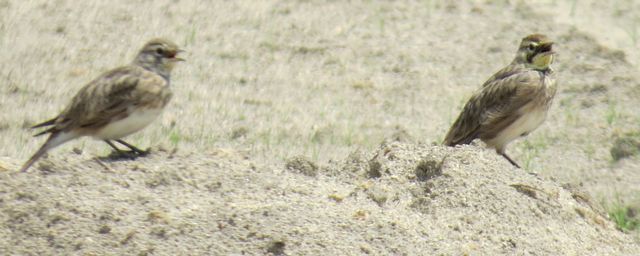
<point x="319" y="79"/>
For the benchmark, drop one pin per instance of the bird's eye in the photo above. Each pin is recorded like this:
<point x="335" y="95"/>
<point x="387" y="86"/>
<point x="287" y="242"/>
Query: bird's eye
<point x="532" y="47"/>
<point x="159" y="51"/>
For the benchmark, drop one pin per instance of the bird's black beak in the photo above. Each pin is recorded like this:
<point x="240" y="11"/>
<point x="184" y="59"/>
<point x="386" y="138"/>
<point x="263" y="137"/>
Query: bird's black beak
<point x="544" y="47"/>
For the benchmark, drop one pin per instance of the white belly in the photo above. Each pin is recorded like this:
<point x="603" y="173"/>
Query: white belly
<point x="524" y="125"/>
<point x="136" y="120"/>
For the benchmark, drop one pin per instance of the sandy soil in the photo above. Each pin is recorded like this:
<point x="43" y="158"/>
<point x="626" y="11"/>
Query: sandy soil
<point x="272" y="143"/>
<point x="402" y="199"/>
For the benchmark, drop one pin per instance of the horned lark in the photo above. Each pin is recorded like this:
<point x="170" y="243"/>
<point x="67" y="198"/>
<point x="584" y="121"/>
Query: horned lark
<point x="117" y="103"/>
<point x="513" y="102"/>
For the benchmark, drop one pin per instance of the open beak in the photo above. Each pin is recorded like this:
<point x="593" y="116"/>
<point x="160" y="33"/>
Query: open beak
<point x="545" y="47"/>
<point x="175" y="58"/>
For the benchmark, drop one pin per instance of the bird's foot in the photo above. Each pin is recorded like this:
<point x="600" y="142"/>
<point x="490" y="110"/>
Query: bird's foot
<point x="127" y="154"/>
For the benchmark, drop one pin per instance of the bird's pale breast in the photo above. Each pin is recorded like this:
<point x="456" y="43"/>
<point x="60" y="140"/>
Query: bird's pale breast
<point x="137" y="119"/>
<point x="532" y="115"/>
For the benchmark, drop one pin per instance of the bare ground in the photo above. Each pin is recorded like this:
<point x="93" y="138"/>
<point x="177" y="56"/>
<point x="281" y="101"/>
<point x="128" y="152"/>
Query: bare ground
<point x="403" y="199"/>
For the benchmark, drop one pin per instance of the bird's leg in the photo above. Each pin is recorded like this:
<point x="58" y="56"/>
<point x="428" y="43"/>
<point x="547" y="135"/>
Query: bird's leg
<point x="119" y="153"/>
<point x="138" y="151"/>
<point x="116" y="149"/>
<point x="510" y="160"/>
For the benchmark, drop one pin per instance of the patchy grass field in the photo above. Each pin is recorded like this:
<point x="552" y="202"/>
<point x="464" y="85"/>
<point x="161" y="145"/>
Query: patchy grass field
<point x="272" y="80"/>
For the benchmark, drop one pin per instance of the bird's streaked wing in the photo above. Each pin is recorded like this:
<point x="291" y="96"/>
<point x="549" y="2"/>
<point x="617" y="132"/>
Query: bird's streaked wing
<point x="495" y="106"/>
<point x="108" y="98"/>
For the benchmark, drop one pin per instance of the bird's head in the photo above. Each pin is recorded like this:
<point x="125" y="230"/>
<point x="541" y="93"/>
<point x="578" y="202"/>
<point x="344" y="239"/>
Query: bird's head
<point x="536" y="52"/>
<point x="159" y="55"/>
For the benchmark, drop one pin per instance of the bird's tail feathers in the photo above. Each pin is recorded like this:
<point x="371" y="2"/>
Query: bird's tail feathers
<point x="56" y="139"/>
<point x="51" y="130"/>
<point x="51" y="121"/>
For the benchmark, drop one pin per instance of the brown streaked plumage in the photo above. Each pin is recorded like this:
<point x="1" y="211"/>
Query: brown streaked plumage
<point x="117" y="103"/>
<point x="512" y="103"/>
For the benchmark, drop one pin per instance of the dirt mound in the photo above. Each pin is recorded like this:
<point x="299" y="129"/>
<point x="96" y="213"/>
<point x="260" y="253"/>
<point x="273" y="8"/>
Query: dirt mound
<point x="402" y="199"/>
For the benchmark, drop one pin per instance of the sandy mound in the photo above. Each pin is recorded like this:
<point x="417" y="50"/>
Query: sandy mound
<point x="402" y="199"/>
